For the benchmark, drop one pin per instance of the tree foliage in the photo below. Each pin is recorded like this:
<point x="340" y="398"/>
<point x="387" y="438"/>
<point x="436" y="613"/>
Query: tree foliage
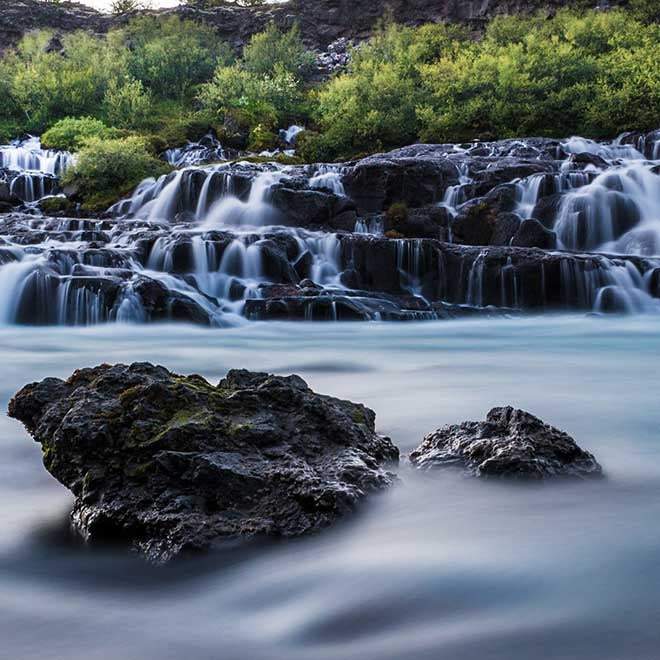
<point x="106" y="169"/>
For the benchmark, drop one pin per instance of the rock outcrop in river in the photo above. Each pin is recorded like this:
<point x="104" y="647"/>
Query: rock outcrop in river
<point x="510" y="444"/>
<point x="173" y="464"/>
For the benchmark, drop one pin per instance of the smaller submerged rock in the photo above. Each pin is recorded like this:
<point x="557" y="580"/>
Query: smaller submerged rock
<point x="171" y="463"/>
<point x="511" y="443"/>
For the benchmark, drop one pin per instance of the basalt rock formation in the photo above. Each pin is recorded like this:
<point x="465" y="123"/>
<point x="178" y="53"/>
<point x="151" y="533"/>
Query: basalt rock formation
<point x="510" y="444"/>
<point x="423" y="232"/>
<point x="322" y="22"/>
<point x="172" y="464"/>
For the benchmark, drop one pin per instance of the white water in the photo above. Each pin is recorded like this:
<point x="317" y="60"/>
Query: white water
<point x="27" y="155"/>
<point x="206" y="150"/>
<point x="290" y="134"/>
<point x="254" y="212"/>
<point x="33" y="171"/>
<point x="619" y="211"/>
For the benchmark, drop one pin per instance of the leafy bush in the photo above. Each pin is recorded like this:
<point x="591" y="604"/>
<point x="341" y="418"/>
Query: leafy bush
<point x="105" y="170"/>
<point x="645" y="10"/>
<point x="261" y="139"/>
<point x="169" y="55"/>
<point x="374" y="105"/>
<point x="71" y="133"/>
<point x="127" y="103"/>
<point x="55" y="205"/>
<point x="597" y="74"/>
<point x="273" y="49"/>
<point x="397" y="213"/>
<point x="46" y="85"/>
<point x="251" y="99"/>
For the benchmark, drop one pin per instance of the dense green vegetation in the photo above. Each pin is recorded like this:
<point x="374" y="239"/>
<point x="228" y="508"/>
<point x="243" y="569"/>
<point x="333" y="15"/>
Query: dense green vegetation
<point x="106" y="169"/>
<point x="70" y="134"/>
<point x="158" y="82"/>
<point x="596" y="75"/>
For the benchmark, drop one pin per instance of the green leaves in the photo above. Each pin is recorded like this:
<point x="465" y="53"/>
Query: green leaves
<point x="595" y="74"/>
<point x="107" y="169"/>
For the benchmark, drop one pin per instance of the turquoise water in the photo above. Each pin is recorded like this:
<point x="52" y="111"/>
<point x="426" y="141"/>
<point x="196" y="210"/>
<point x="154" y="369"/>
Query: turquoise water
<point x="439" y="567"/>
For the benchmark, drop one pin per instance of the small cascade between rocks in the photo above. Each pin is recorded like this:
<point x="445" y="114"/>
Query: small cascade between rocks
<point x="207" y="150"/>
<point x="28" y="156"/>
<point x="235" y="241"/>
<point x="29" y="172"/>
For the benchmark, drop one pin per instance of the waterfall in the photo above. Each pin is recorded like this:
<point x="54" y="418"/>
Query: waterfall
<point x="218" y="244"/>
<point x="527" y="194"/>
<point x="455" y="195"/>
<point x="608" y="151"/>
<point x="206" y="150"/>
<point x="619" y="211"/>
<point x="255" y="212"/>
<point x="31" y="172"/>
<point x="289" y="135"/>
<point x="27" y="155"/>
<point x="329" y="178"/>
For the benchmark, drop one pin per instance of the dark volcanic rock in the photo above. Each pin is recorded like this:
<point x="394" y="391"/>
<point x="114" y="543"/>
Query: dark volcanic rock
<point x="533" y="234"/>
<point x="416" y="175"/>
<point x="172" y="464"/>
<point x="321" y="22"/>
<point x="511" y="443"/>
<point x="506" y="226"/>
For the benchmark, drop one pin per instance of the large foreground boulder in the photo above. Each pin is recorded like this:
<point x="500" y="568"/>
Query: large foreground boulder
<point x="172" y="464"/>
<point x="511" y="443"/>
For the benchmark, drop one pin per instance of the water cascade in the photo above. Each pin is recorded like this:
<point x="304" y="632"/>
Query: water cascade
<point x="31" y="172"/>
<point x="207" y="150"/>
<point x="216" y="244"/>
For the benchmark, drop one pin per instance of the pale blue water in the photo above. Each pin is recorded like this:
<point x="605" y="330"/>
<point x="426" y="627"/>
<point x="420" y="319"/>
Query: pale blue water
<point x="437" y="568"/>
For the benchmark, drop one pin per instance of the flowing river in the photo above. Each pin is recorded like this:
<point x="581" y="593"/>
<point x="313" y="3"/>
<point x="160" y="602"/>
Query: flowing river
<point x="438" y="567"/>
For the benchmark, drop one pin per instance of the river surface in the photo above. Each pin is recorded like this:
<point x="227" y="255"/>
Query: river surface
<point x="439" y="567"/>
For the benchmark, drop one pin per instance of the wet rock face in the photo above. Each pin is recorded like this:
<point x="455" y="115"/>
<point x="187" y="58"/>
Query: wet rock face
<point x="404" y="175"/>
<point x="173" y="464"/>
<point x="511" y="443"/>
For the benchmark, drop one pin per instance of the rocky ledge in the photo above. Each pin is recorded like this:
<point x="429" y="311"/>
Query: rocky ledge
<point x="322" y="21"/>
<point x="511" y="443"/>
<point x="172" y="464"/>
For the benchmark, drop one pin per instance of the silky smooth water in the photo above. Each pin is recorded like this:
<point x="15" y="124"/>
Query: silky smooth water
<point x="438" y="567"/>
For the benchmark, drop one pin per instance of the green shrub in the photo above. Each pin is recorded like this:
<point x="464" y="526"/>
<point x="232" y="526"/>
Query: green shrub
<point x="9" y="129"/>
<point x="71" y="133"/>
<point x="374" y="105"/>
<point x="596" y="75"/>
<point x="261" y="139"/>
<point x="397" y="213"/>
<point x="251" y="99"/>
<point x="46" y="86"/>
<point x="169" y="55"/>
<point x="312" y="147"/>
<point x="55" y="205"/>
<point x="273" y="48"/>
<point x="127" y="103"/>
<point x="105" y="170"/>
<point x="645" y="10"/>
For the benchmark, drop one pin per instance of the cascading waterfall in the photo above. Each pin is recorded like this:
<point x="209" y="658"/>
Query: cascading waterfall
<point x="32" y="172"/>
<point x="254" y="212"/>
<point x="618" y="212"/>
<point x="328" y="177"/>
<point x="207" y="150"/>
<point x="27" y="155"/>
<point x="289" y="135"/>
<point x="212" y="244"/>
